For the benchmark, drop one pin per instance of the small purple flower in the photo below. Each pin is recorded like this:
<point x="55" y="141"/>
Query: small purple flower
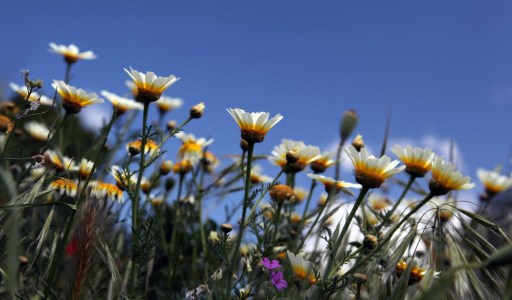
<point x="278" y="281"/>
<point x="274" y="264"/>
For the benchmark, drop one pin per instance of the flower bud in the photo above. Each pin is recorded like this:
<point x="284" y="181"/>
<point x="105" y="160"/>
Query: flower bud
<point x="292" y="156"/>
<point x="244" y="145"/>
<point x="226" y="228"/>
<point x="370" y="242"/>
<point x="197" y="110"/>
<point x="171" y="125"/>
<point x="358" y="142"/>
<point x="348" y="123"/>
<point x="165" y="167"/>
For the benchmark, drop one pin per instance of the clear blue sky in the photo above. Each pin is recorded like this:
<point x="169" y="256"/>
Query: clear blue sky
<point x="442" y="68"/>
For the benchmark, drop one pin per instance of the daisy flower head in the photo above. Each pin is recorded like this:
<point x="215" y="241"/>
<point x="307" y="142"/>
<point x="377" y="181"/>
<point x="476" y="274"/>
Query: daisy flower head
<point x="493" y="182"/>
<point x="60" y="163"/>
<point x="253" y="125"/>
<point x="165" y="104"/>
<point x="107" y="191"/>
<point x="73" y="99"/>
<point x="417" y="271"/>
<point x="64" y="186"/>
<point x="85" y="168"/>
<point x="281" y="193"/>
<point x="369" y="170"/>
<point x="122" y="179"/>
<point x="257" y="176"/>
<point x="183" y="167"/>
<point x="294" y="156"/>
<point x="320" y="164"/>
<point x="71" y="53"/>
<point x="332" y="185"/>
<point x="38" y="131"/>
<point x="378" y="202"/>
<point x="191" y="148"/>
<point x="446" y="178"/>
<point x="22" y="91"/>
<point x="134" y="148"/>
<point x="149" y="86"/>
<point x="302" y="269"/>
<point x="417" y="161"/>
<point x="120" y="103"/>
<point x="210" y="161"/>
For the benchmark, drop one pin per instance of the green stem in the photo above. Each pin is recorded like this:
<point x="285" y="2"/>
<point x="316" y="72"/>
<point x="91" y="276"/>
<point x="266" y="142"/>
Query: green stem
<point x="276" y="222"/>
<point x="176" y="215"/>
<point x="54" y="264"/>
<point x="330" y="196"/>
<point x="136" y="194"/>
<point x="234" y="259"/>
<point x="253" y="209"/>
<point x="308" y="201"/>
<point x="404" y="192"/>
<point x="388" y="237"/>
<point x="338" y="160"/>
<point x="343" y="232"/>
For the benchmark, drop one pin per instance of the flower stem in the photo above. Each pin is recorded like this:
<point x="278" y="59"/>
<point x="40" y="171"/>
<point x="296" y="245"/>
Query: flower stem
<point x="404" y="192"/>
<point x="135" y="200"/>
<point x="343" y="232"/>
<point x="234" y="259"/>
<point x="276" y="222"/>
<point x="387" y="237"/>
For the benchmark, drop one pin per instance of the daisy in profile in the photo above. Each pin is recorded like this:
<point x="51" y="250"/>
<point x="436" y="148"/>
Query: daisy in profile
<point x="107" y="191"/>
<point x="38" y="131"/>
<point x="134" y="148"/>
<point x="210" y="161"/>
<point x="320" y="164"/>
<point x="166" y="104"/>
<point x="120" y="103"/>
<point x="73" y="99"/>
<point x="333" y="185"/>
<point x="417" y="161"/>
<point x="22" y="91"/>
<point x="123" y="180"/>
<point x="64" y="186"/>
<point x="493" y="182"/>
<point x="149" y="86"/>
<point x="63" y="163"/>
<point x="294" y="156"/>
<point x="446" y="178"/>
<point x="369" y="170"/>
<point x="191" y="148"/>
<point x="71" y="53"/>
<point x="253" y="125"/>
<point x="302" y="269"/>
<point x="417" y="271"/>
<point x="257" y="175"/>
<point x="378" y="202"/>
<point x="85" y="168"/>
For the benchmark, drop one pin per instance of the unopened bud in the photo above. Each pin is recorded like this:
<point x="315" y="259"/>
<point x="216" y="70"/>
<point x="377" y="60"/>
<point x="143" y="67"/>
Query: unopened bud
<point x="244" y="145"/>
<point x="213" y="237"/>
<point x="171" y="125"/>
<point x="370" y="242"/>
<point x="145" y="186"/>
<point x="358" y="142"/>
<point x="348" y="123"/>
<point x="166" y="167"/>
<point x="292" y="156"/>
<point x="197" y="110"/>
<point x="226" y="228"/>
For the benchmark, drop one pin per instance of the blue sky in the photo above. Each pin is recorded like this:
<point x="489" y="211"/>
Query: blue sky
<point x="441" y="68"/>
